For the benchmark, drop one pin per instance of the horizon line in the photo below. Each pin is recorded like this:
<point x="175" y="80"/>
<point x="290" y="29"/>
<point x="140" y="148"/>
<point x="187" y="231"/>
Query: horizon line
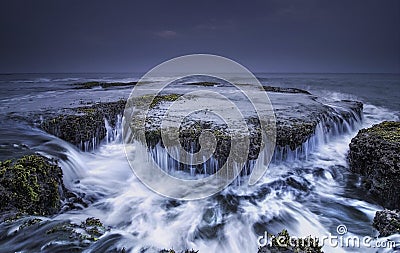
<point x="139" y="72"/>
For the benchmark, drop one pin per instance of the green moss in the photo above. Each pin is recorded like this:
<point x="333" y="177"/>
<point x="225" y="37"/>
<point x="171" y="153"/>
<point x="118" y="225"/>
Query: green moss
<point x="93" y="84"/>
<point x="63" y="227"/>
<point x="395" y="224"/>
<point x="173" y="251"/>
<point x="148" y="99"/>
<point x="87" y="126"/>
<point x="387" y="130"/>
<point x="92" y="222"/>
<point x="30" y="222"/>
<point x="220" y="135"/>
<point x="153" y="137"/>
<point x="161" y="98"/>
<point x="86" y="110"/>
<point x="89" y="230"/>
<point x="30" y="185"/>
<point x="206" y="84"/>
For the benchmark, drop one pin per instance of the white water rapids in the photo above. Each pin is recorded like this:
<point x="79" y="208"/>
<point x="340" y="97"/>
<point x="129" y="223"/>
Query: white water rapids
<point x="309" y="196"/>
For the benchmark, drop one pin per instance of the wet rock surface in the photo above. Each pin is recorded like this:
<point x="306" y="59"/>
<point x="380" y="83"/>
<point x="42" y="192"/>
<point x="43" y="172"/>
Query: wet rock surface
<point x="84" y="126"/>
<point x="174" y="251"/>
<point x="285" y="90"/>
<point x="32" y="185"/>
<point x="94" y="84"/>
<point x="375" y="154"/>
<point x="57" y="236"/>
<point x="298" y="115"/>
<point x="387" y="222"/>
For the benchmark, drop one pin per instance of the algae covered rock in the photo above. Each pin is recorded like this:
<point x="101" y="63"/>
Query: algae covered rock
<point x="94" y="84"/>
<point x="375" y="154"/>
<point x="32" y="184"/>
<point x="38" y="234"/>
<point x="88" y="231"/>
<point x="387" y="222"/>
<point x="174" y="251"/>
<point x="85" y="126"/>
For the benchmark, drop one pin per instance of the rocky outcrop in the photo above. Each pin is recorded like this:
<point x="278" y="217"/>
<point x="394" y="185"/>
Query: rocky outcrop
<point x="89" y="230"/>
<point x="94" y="84"/>
<point x="375" y="154"/>
<point x="58" y="236"/>
<point x="84" y="126"/>
<point x="285" y="90"/>
<point x="387" y="222"/>
<point x="299" y="116"/>
<point x="32" y="185"/>
<point x="174" y="251"/>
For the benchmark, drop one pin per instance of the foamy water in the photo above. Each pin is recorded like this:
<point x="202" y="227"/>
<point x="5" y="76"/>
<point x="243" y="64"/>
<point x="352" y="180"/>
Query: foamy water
<point x="308" y="196"/>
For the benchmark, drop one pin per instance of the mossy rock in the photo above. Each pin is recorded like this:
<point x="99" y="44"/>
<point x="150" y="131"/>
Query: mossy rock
<point x="295" y="134"/>
<point x="289" y="245"/>
<point x="93" y="84"/>
<point x="387" y="130"/>
<point x="85" y="124"/>
<point x="32" y="184"/>
<point x="387" y="222"/>
<point x="205" y="84"/>
<point x="375" y="154"/>
<point x="174" y="251"/>
<point x="90" y="230"/>
<point x="153" y="101"/>
<point x="284" y="90"/>
<point x="36" y="234"/>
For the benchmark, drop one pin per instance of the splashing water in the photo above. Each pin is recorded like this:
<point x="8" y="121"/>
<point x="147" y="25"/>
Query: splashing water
<point x="308" y="191"/>
<point x="309" y="196"/>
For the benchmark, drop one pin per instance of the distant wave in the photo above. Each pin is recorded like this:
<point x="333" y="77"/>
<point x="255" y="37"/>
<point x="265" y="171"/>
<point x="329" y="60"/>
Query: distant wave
<point x="47" y="80"/>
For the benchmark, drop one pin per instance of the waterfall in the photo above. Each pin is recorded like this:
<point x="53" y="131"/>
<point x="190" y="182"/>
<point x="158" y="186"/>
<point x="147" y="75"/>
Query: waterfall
<point x="329" y="126"/>
<point x="113" y="134"/>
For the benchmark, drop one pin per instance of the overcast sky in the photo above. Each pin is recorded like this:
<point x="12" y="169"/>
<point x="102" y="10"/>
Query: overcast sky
<point x="265" y="36"/>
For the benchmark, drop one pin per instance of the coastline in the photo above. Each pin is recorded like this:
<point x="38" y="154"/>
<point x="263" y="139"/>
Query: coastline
<point x="294" y="183"/>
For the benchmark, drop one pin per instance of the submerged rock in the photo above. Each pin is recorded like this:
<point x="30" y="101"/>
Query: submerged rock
<point x="387" y="222"/>
<point x="38" y="234"/>
<point x="285" y="90"/>
<point x="32" y="185"/>
<point x="375" y="154"/>
<point x="174" y="251"/>
<point x="93" y="84"/>
<point x="88" y="231"/>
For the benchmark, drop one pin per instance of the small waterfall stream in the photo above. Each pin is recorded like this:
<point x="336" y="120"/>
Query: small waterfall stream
<point x="328" y="128"/>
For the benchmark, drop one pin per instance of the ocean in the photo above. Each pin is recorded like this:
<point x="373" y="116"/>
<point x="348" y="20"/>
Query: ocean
<point x="230" y="221"/>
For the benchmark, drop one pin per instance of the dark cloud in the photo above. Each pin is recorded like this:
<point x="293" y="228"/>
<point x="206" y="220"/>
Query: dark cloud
<point x="268" y="35"/>
<point x="166" y="34"/>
